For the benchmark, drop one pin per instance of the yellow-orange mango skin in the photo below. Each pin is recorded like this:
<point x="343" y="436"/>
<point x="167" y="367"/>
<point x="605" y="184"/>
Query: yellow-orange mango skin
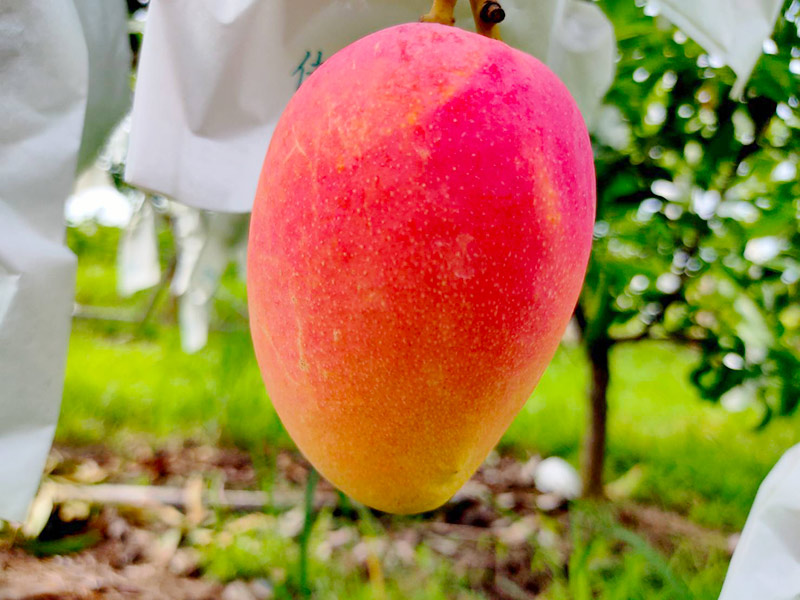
<point x="418" y="242"/>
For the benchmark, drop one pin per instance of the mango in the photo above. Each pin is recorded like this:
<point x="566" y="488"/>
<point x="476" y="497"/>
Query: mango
<point x="418" y="242"/>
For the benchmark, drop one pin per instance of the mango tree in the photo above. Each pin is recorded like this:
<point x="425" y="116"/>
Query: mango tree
<point x="696" y="240"/>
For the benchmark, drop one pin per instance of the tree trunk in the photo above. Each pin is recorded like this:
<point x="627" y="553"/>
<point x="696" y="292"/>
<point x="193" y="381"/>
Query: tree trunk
<point x="595" y="443"/>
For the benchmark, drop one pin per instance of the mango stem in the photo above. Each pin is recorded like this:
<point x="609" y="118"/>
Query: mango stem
<point x="486" y="13"/>
<point x="441" y="12"/>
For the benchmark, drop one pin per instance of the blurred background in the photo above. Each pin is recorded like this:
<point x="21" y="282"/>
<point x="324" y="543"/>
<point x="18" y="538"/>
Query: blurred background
<point x="673" y="394"/>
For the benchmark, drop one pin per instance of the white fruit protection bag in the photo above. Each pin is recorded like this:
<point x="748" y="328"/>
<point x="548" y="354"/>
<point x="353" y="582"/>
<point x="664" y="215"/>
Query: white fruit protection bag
<point x="731" y="30"/>
<point x="215" y="76"/>
<point x="64" y="68"/>
<point x="766" y="563"/>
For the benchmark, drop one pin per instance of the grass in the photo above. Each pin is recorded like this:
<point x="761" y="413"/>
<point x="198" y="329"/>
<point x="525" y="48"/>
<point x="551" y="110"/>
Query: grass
<point x="117" y="385"/>
<point x="252" y="547"/>
<point x="598" y="570"/>
<point x="692" y="457"/>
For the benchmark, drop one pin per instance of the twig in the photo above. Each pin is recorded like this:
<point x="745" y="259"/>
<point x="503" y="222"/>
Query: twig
<point x="166" y="280"/>
<point x="150" y="495"/>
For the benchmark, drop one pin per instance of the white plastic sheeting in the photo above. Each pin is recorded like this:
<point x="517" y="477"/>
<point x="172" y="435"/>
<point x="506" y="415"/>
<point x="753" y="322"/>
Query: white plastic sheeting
<point x="43" y="102"/>
<point x="766" y="563"/>
<point x="214" y="78"/>
<point x="48" y="50"/>
<point x="731" y="30"/>
<point x="37" y="277"/>
<point x="105" y="29"/>
<point x="206" y="243"/>
<point x="138" y="267"/>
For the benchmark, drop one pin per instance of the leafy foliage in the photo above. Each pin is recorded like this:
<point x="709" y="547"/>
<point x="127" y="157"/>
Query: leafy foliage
<point x="697" y="238"/>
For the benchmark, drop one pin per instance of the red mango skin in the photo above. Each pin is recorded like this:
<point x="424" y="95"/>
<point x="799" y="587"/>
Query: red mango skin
<point x="419" y="239"/>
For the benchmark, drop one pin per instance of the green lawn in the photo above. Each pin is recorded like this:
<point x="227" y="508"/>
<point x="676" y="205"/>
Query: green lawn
<point x="694" y="458"/>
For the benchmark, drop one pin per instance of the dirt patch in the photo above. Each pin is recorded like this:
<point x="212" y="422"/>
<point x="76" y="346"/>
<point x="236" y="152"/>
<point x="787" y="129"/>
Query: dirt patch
<point x="664" y="529"/>
<point x="90" y="575"/>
